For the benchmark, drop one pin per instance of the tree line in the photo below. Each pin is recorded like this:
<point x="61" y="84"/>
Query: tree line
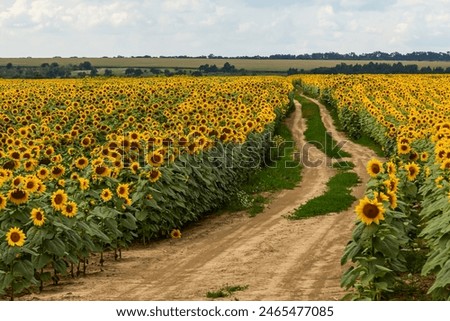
<point x="372" y="68"/>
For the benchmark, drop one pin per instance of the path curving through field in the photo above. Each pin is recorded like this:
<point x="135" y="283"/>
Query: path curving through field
<point x="277" y="258"/>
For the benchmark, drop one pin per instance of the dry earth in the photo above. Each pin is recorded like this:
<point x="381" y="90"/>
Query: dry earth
<point x="278" y="259"/>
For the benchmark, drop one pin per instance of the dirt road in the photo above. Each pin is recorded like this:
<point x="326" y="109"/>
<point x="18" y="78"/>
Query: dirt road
<point x="276" y="258"/>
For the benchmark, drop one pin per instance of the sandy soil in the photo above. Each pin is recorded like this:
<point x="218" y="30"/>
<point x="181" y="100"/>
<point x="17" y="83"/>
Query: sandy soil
<point x="277" y="258"/>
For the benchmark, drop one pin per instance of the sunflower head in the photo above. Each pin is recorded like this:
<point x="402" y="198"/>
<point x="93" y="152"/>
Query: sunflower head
<point x="59" y="199"/>
<point x="369" y="211"/>
<point x="38" y="216"/>
<point x="3" y="201"/>
<point x="69" y="209"/>
<point x="106" y="195"/>
<point x="123" y="190"/>
<point x="15" y="237"/>
<point x="18" y="196"/>
<point x="175" y="234"/>
<point x="374" y="167"/>
<point x="412" y="170"/>
<point x="154" y="175"/>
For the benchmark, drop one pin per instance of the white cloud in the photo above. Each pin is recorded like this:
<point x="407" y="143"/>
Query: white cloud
<point x="222" y="27"/>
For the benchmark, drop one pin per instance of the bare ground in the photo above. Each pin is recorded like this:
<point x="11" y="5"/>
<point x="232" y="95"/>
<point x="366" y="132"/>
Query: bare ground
<point x="278" y="259"/>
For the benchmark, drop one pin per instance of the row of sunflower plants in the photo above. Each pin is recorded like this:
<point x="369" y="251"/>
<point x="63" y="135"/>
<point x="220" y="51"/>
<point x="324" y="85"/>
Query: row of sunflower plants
<point x="95" y="164"/>
<point x="403" y="219"/>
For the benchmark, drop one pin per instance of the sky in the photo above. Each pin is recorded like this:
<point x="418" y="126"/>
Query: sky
<point x="96" y="28"/>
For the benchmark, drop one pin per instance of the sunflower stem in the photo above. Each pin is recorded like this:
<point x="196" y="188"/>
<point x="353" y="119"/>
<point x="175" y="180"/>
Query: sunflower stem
<point x="41" y="286"/>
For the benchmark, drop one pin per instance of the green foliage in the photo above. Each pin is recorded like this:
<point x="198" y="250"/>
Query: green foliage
<point x="337" y="198"/>
<point x="226" y="291"/>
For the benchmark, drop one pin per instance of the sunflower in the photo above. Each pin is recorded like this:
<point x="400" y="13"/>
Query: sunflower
<point x="84" y="183"/>
<point x="392" y="199"/>
<point x="74" y="176"/>
<point x="59" y="199"/>
<point x="123" y="190"/>
<point x="43" y="173"/>
<point x="445" y="164"/>
<point x="134" y="167"/>
<point x="69" y="209"/>
<point x="30" y="165"/>
<point x="155" y="159"/>
<point x="41" y="188"/>
<point x="31" y="184"/>
<point x="403" y="149"/>
<point x="374" y="167"/>
<point x="38" y="216"/>
<point x="412" y="170"/>
<point x="15" y="237"/>
<point x="106" y="195"/>
<point x="175" y="234"/>
<point x="81" y="162"/>
<point x="17" y="181"/>
<point x="3" y="201"/>
<point x="392" y="183"/>
<point x="380" y="197"/>
<point x="18" y="196"/>
<point x="154" y="175"/>
<point x="390" y="168"/>
<point x="369" y="211"/>
<point x="102" y="170"/>
<point x="424" y="156"/>
<point x="57" y="171"/>
<point x="438" y="181"/>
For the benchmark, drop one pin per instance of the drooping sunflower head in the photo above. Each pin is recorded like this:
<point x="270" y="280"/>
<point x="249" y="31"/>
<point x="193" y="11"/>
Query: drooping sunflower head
<point x="155" y="159"/>
<point x="154" y="175"/>
<point x="369" y="211"/>
<point x="392" y="199"/>
<point x="18" y="196"/>
<point x="102" y="170"/>
<point x="374" y="167"/>
<point x="57" y="171"/>
<point x="38" y="216"/>
<point x="15" y="237"/>
<point x="390" y="168"/>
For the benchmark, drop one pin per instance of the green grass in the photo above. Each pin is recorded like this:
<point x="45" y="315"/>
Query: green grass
<point x="337" y="198"/>
<point x="368" y="142"/>
<point x="225" y="291"/>
<point x="316" y="133"/>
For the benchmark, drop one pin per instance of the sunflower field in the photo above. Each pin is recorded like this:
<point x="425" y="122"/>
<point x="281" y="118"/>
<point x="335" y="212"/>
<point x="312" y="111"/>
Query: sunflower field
<point x="404" y="219"/>
<point x="93" y="164"/>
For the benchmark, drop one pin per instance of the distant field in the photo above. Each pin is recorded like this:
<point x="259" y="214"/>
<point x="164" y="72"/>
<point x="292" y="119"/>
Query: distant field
<point x="192" y="63"/>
